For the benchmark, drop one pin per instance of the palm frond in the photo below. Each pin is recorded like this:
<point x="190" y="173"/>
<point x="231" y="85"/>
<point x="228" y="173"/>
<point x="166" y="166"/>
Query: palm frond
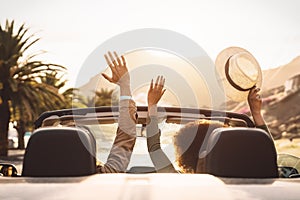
<point x="29" y="45"/>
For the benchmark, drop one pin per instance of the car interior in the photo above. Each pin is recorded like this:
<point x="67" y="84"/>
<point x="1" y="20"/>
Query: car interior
<point x="63" y="145"/>
<point x="62" y="155"/>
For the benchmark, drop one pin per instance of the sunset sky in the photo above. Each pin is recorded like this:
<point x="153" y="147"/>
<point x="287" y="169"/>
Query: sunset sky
<point x="71" y="30"/>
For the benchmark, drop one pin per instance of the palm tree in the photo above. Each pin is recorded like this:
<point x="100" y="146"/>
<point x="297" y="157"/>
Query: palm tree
<point x="72" y="98"/>
<point x="22" y="91"/>
<point x="54" y="81"/>
<point x="30" y="101"/>
<point x="103" y="97"/>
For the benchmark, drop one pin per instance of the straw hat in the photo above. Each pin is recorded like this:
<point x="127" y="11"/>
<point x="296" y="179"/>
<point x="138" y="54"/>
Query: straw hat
<point x="238" y="72"/>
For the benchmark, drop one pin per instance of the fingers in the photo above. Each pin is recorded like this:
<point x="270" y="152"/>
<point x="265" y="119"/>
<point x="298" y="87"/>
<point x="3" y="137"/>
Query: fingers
<point x="157" y="81"/>
<point x="156" y="90"/>
<point x="113" y="60"/>
<point x="163" y="81"/>
<point x="151" y="84"/>
<point x="254" y="96"/>
<point x="257" y="97"/>
<point x="107" y="77"/>
<point x="111" y="66"/>
<point x="115" y="64"/>
<point x="124" y="61"/>
<point x="251" y="91"/>
<point x="160" y="82"/>
<point x="108" y="61"/>
<point x="254" y="91"/>
<point x="118" y="59"/>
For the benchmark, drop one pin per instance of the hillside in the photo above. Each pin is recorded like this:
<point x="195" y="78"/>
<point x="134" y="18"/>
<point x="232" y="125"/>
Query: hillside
<point x="273" y="78"/>
<point x="281" y="108"/>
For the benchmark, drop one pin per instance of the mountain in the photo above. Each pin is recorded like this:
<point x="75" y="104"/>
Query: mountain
<point x="281" y="96"/>
<point x="273" y="78"/>
<point x="186" y="84"/>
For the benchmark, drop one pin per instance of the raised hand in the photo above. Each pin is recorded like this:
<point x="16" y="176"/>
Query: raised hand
<point x="118" y="67"/>
<point x="254" y="101"/>
<point x="156" y="91"/>
<point x="255" y="104"/>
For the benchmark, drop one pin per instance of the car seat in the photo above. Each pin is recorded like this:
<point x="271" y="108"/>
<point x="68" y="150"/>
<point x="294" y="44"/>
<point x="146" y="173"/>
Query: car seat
<point x="239" y="153"/>
<point x="60" y="152"/>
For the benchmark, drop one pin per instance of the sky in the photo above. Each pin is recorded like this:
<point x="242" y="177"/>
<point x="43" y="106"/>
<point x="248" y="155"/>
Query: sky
<point x="71" y="30"/>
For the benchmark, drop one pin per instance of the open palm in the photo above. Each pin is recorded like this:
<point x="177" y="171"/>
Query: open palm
<point x="118" y="67"/>
<point x="156" y="90"/>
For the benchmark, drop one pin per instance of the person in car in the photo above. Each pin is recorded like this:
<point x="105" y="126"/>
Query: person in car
<point x="124" y="142"/>
<point x="120" y="153"/>
<point x="187" y="151"/>
<point x="159" y="158"/>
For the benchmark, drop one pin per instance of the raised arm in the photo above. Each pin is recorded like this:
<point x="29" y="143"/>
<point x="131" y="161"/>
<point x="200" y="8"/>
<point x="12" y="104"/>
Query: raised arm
<point x="124" y="142"/>
<point x="255" y="104"/>
<point x="161" y="162"/>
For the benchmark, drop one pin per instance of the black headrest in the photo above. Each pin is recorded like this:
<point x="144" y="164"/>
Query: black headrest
<point x="239" y="153"/>
<point x="60" y="151"/>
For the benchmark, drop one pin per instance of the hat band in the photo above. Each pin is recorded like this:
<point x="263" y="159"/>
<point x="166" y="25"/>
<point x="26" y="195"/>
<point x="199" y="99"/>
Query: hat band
<point x="231" y="81"/>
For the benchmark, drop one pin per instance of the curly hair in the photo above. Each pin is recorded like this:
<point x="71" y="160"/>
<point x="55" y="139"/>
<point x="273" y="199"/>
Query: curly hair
<point x="188" y="141"/>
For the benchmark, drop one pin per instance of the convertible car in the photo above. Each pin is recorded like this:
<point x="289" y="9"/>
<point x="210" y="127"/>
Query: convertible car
<point x="62" y="154"/>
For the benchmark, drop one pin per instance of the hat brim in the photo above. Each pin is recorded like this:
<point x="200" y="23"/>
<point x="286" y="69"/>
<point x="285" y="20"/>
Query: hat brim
<point x="221" y="60"/>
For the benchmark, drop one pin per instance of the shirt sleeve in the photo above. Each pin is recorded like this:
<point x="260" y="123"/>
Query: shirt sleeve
<point x="120" y="154"/>
<point x="160" y="161"/>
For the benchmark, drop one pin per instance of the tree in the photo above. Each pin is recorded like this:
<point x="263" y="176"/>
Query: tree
<point x="22" y="92"/>
<point x="30" y="100"/>
<point x="103" y="97"/>
<point x="71" y="96"/>
<point x="73" y="99"/>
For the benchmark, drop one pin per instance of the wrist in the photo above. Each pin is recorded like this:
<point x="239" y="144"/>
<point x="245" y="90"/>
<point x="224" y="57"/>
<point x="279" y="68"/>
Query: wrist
<point x="152" y="110"/>
<point x="125" y="90"/>
<point x="125" y="98"/>
<point x="255" y="109"/>
<point x="124" y="80"/>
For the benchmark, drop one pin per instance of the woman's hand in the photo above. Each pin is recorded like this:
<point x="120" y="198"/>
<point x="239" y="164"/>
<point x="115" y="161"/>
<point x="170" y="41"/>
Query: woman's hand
<point x="119" y="69"/>
<point x="254" y="101"/>
<point x="255" y="104"/>
<point x="156" y="91"/>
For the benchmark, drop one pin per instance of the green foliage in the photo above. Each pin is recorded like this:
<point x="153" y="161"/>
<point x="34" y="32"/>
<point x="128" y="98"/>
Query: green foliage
<point x="103" y="97"/>
<point x="28" y="86"/>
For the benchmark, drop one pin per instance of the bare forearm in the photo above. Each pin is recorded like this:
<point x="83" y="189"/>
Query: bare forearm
<point x="258" y="119"/>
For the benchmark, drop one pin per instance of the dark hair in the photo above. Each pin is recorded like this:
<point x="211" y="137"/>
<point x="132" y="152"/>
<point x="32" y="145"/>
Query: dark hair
<point x="188" y="141"/>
